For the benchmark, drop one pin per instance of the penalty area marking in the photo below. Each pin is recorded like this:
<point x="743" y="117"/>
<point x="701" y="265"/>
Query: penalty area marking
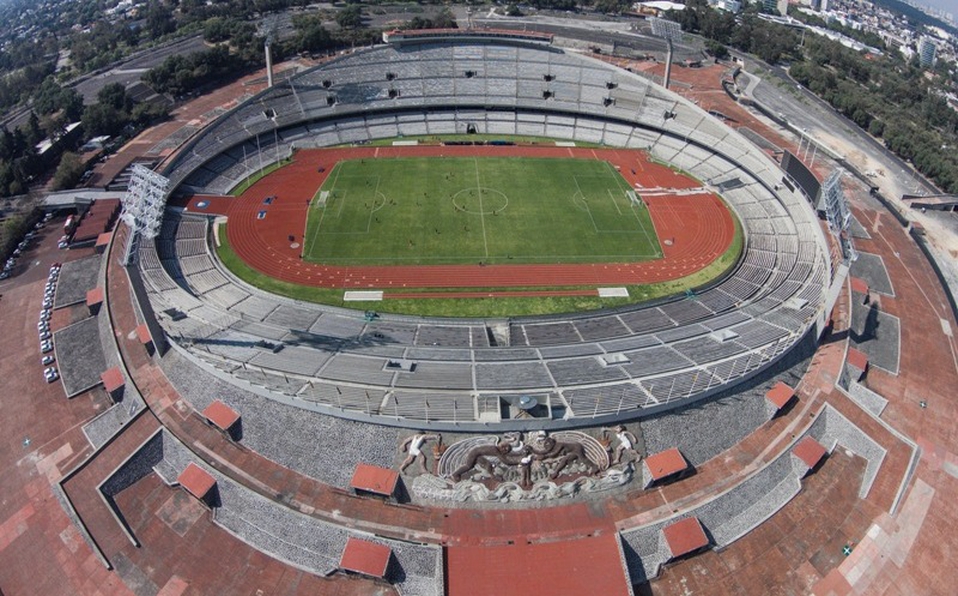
<point x="362" y="295"/>
<point x="620" y="292"/>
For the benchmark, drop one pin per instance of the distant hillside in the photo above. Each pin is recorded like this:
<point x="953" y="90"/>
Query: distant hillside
<point x="915" y="15"/>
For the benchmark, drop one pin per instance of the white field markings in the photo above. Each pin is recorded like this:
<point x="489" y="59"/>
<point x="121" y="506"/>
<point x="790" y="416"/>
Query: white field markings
<point x="641" y="228"/>
<point x="376" y="205"/>
<point x="311" y="241"/>
<point x="482" y="215"/>
<point x="653" y="241"/>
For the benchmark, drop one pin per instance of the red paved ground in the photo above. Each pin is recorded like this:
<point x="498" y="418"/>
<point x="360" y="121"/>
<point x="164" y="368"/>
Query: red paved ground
<point x="590" y="565"/>
<point x="694" y="229"/>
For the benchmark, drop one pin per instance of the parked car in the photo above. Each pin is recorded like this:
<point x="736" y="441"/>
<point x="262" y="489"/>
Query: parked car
<point x="50" y="374"/>
<point x="46" y="346"/>
<point x="47" y="360"/>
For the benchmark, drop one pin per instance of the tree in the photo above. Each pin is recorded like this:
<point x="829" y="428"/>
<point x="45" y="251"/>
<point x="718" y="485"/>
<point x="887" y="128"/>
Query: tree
<point x="311" y="36"/>
<point x="716" y="49"/>
<point x="159" y="19"/>
<point x="350" y="17"/>
<point x="444" y="19"/>
<point x="103" y="119"/>
<point x="114" y="95"/>
<point x="34" y="133"/>
<point x="69" y="171"/>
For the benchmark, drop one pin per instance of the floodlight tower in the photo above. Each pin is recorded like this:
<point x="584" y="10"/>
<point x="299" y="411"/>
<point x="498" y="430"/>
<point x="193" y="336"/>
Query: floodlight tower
<point x="143" y="206"/>
<point x="268" y="30"/>
<point x="669" y="31"/>
<point x="838" y="215"/>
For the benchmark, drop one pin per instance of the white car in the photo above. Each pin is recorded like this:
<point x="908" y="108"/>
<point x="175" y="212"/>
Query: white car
<point x="50" y="374"/>
<point x="42" y="325"/>
<point x="47" y="360"/>
<point x="45" y="314"/>
<point x="44" y="335"/>
<point x="46" y="347"/>
<point x="62" y="245"/>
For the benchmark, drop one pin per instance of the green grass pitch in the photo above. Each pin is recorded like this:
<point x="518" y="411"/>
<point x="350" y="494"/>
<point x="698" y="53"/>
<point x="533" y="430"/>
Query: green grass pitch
<point x="430" y="211"/>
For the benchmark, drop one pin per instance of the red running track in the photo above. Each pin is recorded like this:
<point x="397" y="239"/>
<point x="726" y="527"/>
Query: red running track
<point x="693" y="229"/>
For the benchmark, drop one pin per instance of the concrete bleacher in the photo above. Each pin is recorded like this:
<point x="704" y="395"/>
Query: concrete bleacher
<point x="75" y="280"/>
<point x="79" y="355"/>
<point x="273" y="528"/>
<point x="737" y="511"/>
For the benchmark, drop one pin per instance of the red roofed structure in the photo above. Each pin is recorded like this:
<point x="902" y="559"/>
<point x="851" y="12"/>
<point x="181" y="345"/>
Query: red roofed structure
<point x="221" y="415"/>
<point x="197" y="481"/>
<point x="809" y="451"/>
<point x="97" y="220"/>
<point x="102" y="241"/>
<point x="685" y="537"/>
<point x="112" y="379"/>
<point x="587" y="565"/>
<point x="367" y="558"/>
<point x="94" y="298"/>
<point x="663" y="465"/>
<point x="374" y="480"/>
<point x="778" y="397"/>
<point x="143" y="334"/>
<point x="857" y="360"/>
<point x="859" y="285"/>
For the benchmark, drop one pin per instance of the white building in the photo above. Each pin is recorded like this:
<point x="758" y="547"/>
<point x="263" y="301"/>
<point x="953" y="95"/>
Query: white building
<point x="927" y="52"/>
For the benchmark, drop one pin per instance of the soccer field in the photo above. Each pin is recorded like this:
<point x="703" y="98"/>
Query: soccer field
<point x="431" y="211"/>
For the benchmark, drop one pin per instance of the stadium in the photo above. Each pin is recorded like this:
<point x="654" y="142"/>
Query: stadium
<point x="375" y="448"/>
<point x="652" y="357"/>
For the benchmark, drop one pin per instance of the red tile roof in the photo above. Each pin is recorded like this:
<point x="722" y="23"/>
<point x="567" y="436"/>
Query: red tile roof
<point x="859" y="285"/>
<point x="221" y="415"/>
<point x="779" y="395"/>
<point x="684" y="537"/>
<point x="664" y="464"/>
<point x="143" y="333"/>
<point x="365" y="557"/>
<point x="587" y="565"/>
<point x="94" y="296"/>
<point x="858" y="359"/>
<point x="809" y="451"/>
<point x="374" y="479"/>
<point x="196" y="480"/>
<point x="103" y="239"/>
<point x="112" y="379"/>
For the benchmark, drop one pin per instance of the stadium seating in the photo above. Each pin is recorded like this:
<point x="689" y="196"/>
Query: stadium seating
<point x="671" y="353"/>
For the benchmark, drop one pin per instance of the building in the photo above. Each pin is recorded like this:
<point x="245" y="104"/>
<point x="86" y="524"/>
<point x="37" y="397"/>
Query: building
<point x="781" y="6"/>
<point x="927" y="52"/>
<point x="732" y="6"/>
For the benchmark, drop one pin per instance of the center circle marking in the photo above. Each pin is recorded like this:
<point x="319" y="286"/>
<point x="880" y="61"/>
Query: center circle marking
<point x="468" y="200"/>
